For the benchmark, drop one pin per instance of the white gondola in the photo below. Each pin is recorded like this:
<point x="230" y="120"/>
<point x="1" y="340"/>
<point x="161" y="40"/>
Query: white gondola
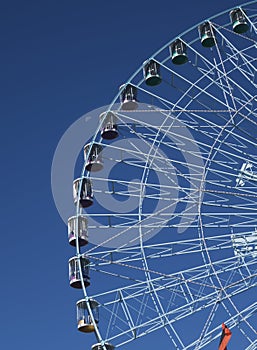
<point x="239" y="21"/>
<point x="178" y="51"/>
<point x="99" y="346"/>
<point x="74" y="272"/>
<point x="151" y="72"/>
<point x="206" y="33"/>
<point x="85" y="196"/>
<point x="109" y="126"/>
<point x="93" y="156"/>
<point x="77" y="227"/>
<point x="128" y="97"/>
<point x="85" y="323"/>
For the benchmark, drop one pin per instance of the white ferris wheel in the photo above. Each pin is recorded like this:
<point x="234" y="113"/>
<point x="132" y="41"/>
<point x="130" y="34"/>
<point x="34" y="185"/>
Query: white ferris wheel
<point x="165" y="226"/>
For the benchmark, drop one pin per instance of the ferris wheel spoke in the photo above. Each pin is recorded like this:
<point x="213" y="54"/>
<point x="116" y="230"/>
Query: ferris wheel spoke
<point x="241" y="60"/>
<point x="232" y="322"/>
<point x="236" y="242"/>
<point x="245" y="67"/>
<point x="230" y="266"/>
<point x="205" y="74"/>
<point x="175" y="314"/>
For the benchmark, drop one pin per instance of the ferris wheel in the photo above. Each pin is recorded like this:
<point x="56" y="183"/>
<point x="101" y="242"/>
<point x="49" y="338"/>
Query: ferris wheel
<point x="165" y="226"/>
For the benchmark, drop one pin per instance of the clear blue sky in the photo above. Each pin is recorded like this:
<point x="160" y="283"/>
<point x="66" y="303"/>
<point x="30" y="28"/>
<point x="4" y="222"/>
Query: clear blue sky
<point x="59" y="60"/>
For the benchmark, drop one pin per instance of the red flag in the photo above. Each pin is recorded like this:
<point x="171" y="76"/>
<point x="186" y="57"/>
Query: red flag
<point x="225" y="337"/>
